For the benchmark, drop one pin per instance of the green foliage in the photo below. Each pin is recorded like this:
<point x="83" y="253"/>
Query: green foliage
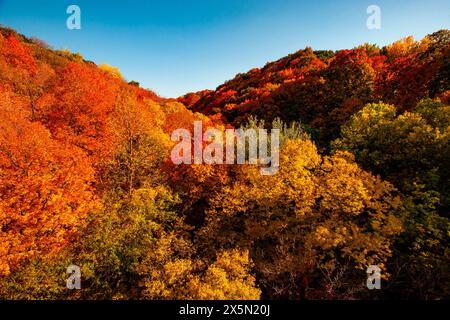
<point x="411" y="151"/>
<point x="292" y="131"/>
<point x="405" y="149"/>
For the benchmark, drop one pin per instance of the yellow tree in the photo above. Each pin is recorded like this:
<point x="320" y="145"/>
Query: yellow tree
<point x="170" y="271"/>
<point x="113" y="71"/>
<point x="316" y="215"/>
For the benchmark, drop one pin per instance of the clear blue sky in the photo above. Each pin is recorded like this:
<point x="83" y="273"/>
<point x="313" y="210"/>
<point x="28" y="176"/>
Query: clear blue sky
<point x="177" y="46"/>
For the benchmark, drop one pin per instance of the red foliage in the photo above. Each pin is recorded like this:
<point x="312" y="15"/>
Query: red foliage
<point x="17" y="54"/>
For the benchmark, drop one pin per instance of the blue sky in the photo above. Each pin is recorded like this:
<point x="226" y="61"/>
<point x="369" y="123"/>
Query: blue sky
<point x="177" y="46"/>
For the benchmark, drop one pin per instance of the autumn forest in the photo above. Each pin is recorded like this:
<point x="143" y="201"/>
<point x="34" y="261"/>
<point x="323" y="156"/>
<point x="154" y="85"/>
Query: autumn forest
<point x="364" y="178"/>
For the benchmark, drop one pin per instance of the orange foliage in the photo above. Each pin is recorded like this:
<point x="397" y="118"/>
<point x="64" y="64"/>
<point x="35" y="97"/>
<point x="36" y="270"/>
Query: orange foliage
<point x="45" y="187"/>
<point x="77" y="108"/>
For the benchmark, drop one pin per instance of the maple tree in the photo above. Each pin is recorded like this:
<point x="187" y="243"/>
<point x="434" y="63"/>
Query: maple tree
<point x="46" y="189"/>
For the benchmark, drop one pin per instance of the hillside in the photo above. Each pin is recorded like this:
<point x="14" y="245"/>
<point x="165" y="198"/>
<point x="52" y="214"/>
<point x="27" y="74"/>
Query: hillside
<point x="322" y="89"/>
<point x="87" y="178"/>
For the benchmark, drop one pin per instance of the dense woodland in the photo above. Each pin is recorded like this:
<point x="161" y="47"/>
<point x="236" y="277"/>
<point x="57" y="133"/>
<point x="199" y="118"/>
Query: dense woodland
<point x="364" y="179"/>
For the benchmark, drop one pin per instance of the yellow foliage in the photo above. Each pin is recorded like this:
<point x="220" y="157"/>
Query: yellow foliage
<point x="314" y="213"/>
<point x="167" y="277"/>
<point x="113" y="71"/>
